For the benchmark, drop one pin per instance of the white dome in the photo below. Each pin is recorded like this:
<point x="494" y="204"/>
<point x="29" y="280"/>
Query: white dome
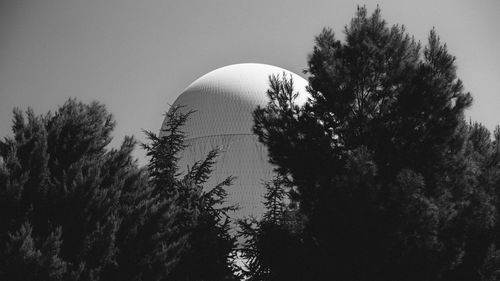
<point x="223" y="101"/>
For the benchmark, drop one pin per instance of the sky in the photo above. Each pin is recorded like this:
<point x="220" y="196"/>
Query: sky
<point x="136" y="57"/>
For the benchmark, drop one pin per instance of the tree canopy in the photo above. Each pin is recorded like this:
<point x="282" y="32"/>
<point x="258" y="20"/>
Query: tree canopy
<point x="72" y="209"/>
<point x="391" y="182"/>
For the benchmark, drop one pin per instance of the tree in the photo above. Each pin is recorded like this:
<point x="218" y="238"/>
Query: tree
<point x="61" y="190"/>
<point x="272" y="243"/>
<point x="71" y="209"/>
<point x="392" y="183"/>
<point x="198" y="221"/>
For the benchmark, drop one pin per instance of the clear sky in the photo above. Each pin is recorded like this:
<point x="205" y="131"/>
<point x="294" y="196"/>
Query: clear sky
<point x="137" y="56"/>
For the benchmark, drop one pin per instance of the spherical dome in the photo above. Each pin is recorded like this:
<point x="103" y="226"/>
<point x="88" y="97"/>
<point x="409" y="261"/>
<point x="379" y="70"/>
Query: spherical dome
<point x="223" y="101"/>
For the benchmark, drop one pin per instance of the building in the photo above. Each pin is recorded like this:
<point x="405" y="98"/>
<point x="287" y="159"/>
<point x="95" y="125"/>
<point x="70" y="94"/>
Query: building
<point x="223" y="101"/>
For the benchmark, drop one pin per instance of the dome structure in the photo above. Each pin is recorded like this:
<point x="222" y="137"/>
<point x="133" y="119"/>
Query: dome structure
<point x="223" y="102"/>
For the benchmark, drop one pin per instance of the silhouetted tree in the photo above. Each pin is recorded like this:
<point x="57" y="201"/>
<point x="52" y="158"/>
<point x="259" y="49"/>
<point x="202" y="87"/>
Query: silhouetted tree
<point x="391" y="182"/>
<point x="201" y="225"/>
<point x="71" y="209"/>
<point x="272" y="243"/>
<point x="60" y="192"/>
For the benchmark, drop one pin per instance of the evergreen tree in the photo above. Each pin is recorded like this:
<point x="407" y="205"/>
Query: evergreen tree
<point x="60" y="192"/>
<point x="71" y="209"/>
<point x="197" y="229"/>
<point x="271" y="245"/>
<point x="392" y="183"/>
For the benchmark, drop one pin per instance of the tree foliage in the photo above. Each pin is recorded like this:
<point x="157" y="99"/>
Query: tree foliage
<point x="272" y="244"/>
<point x="72" y="209"/>
<point x="391" y="181"/>
<point x="201" y="224"/>
<point x="61" y="191"/>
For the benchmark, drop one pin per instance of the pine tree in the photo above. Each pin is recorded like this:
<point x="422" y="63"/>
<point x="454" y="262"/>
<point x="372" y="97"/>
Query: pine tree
<point x="271" y="244"/>
<point x="72" y="209"/>
<point x="60" y="190"/>
<point x="391" y="181"/>
<point x="196" y="233"/>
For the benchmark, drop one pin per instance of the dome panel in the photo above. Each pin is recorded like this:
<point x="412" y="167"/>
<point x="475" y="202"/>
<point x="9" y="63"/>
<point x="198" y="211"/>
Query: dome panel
<point x="223" y="101"/>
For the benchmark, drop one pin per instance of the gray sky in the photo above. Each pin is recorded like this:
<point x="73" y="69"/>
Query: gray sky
<point x="137" y="56"/>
